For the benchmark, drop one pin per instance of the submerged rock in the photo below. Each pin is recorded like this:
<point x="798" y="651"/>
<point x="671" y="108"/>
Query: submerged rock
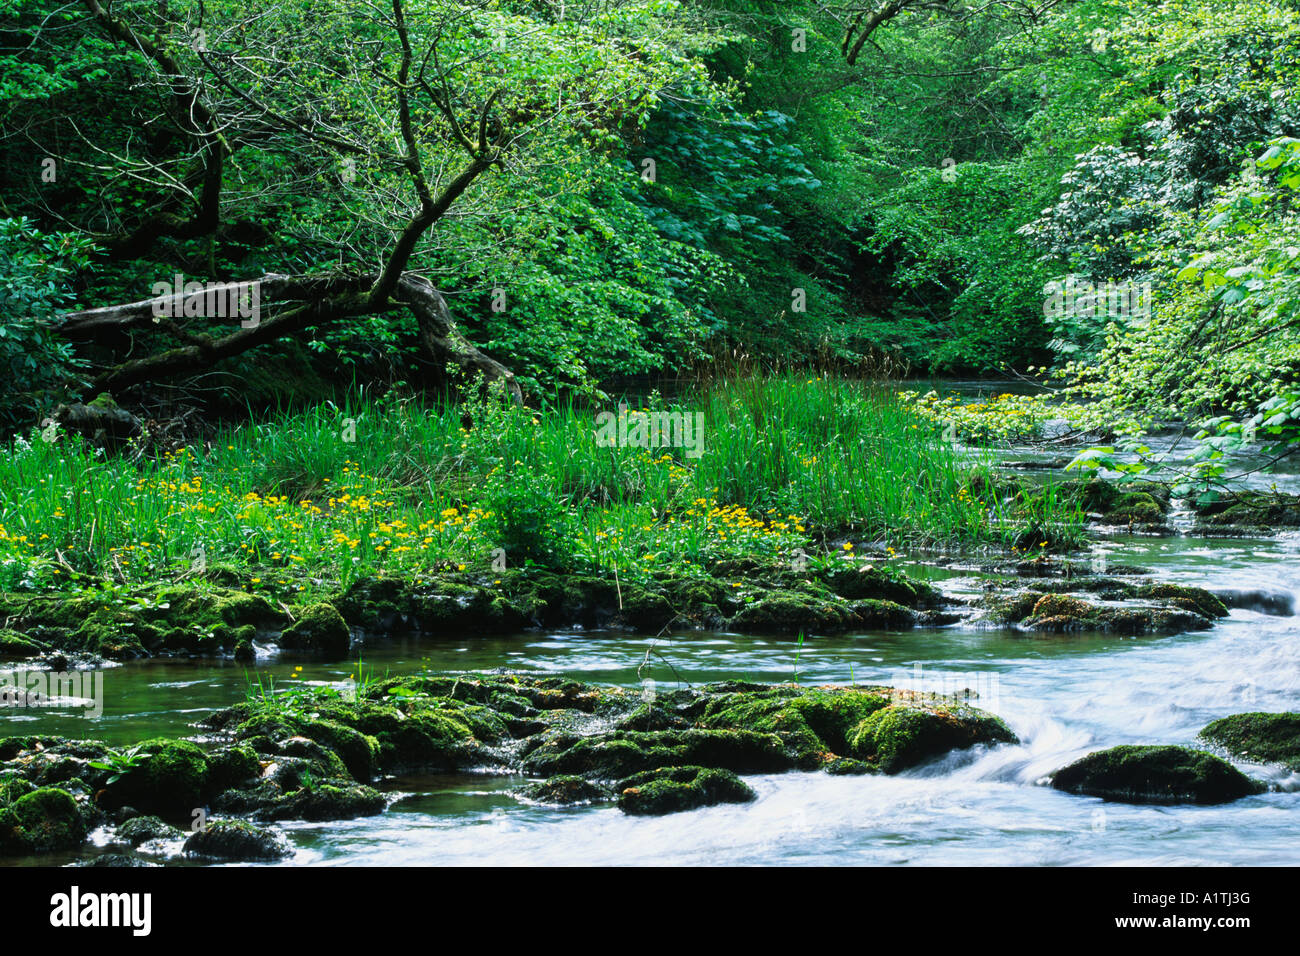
<point x="673" y="789"/>
<point x="236" y="841"/>
<point x="566" y="790"/>
<point x="1259" y="737"/>
<point x="1155" y="774"/>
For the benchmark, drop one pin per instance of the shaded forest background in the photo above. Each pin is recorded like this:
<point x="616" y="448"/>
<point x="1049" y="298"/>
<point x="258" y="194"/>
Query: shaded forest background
<point x="663" y="185"/>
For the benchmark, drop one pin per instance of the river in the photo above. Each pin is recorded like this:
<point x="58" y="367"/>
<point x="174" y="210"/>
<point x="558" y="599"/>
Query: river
<point x="1063" y="695"/>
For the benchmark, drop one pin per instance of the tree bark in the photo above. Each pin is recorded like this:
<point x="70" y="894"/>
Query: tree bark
<point x="321" y="299"/>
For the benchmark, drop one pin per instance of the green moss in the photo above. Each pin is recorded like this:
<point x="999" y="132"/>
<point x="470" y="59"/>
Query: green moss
<point x="171" y="781"/>
<point x="319" y="629"/>
<point x="813" y="724"/>
<point x="1189" y="598"/>
<point x="231" y="767"/>
<point x="11" y="788"/>
<point x="235" y="840"/>
<point x="791" y="612"/>
<point x="1062" y="605"/>
<point x="14" y="646"/>
<point x="621" y="753"/>
<point x="673" y="789"/>
<point x="1010" y="608"/>
<point x="866" y="582"/>
<point x="1251" y="509"/>
<point x="317" y="801"/>
<point x="42" y="821"/>
<point x="1133" y="774"/>
<point x="359" y="752"/>
<point x="901" y="736"/>
<point x="1259" y="737"/>
<point x="566" y="790"/>
<point x="144" y="829"/>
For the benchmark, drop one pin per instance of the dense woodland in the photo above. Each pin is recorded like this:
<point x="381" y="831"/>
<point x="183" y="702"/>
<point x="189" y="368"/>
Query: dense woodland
<point x="579" y="194"/>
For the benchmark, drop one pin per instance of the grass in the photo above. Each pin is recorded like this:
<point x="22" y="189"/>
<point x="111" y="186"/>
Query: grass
<point x="289" y="504"/>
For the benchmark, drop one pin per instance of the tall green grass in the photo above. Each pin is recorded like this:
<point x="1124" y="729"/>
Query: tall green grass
<point x="292" y="503"/>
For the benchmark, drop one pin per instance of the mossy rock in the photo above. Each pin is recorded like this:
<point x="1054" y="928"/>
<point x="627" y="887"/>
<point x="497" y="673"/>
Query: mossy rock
<point x="441" y="738"/>
<point x="140" y="830"/>
<point x="319" y="630"/>
<point x="42" y="821"/>
<point x="359" y="752"/>
<point x="566" y="790"/>
<point x="1259" y="737"/>
<point x="1009" y="608"/>
<point x="373" y="603"/>
<point x="1136" y="503"/>
<point x="15" y="646"/>
<point x="1251" y="509"/>
<point x="619" y="754"/>
<point x="11" y="788"/>
<point x="327" y="799"/>
<point x="812" y="723"/>
<point x="901" y="736"/>
<point x="1061" y="613"/>
<point x="232" y="767"/>
<point x="1155" y="774"/>
<point x="867" y="582"/>
<point x="1182" y="596"/>
<point x="674" y="789"/>
<point x="170" y="782"/>
<point x="231" y="841"/>
<point x="310" y="761"/>
<point x="792" y="612"/>
<point x="1062" y="605"/>
<point x="884" y="615"/>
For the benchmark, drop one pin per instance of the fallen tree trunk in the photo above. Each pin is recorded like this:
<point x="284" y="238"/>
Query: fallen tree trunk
<point x="310" y="302"/>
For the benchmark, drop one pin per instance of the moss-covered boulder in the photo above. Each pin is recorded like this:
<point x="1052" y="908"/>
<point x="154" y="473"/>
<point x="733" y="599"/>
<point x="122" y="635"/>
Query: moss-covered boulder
<point x="146" y="829"/>
<point x="169" y="778"/>
<point x="1249" y="510"/>
<point x="619" y="754"/>
<point x="230" y="841"/>
<point x="566" y="790"/>
<point x="15" y="646"/>
<point x="359" y="752"/>
<point x="319" y="630"/>
<point x="302" y="799"/>
<point x="792" y="611"/>
<point x="901" y="736"/>
<point x="231" y="767"/>
<point x="1259" y="737"/>
<point x="1155" y="774"/>
<point x="812" y="723"/>
<point x="673" y="789"/>
<point x="42" y="821"/>
<point x="1140" y="504"/>
<point x="1181" y="609"/>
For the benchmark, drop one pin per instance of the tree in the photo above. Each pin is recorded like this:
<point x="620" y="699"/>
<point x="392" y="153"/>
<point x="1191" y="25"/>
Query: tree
<point x="359" y="126"/>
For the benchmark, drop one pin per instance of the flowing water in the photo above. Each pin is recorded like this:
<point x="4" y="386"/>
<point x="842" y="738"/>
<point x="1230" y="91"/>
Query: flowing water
<point x="1063" y="696"/>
